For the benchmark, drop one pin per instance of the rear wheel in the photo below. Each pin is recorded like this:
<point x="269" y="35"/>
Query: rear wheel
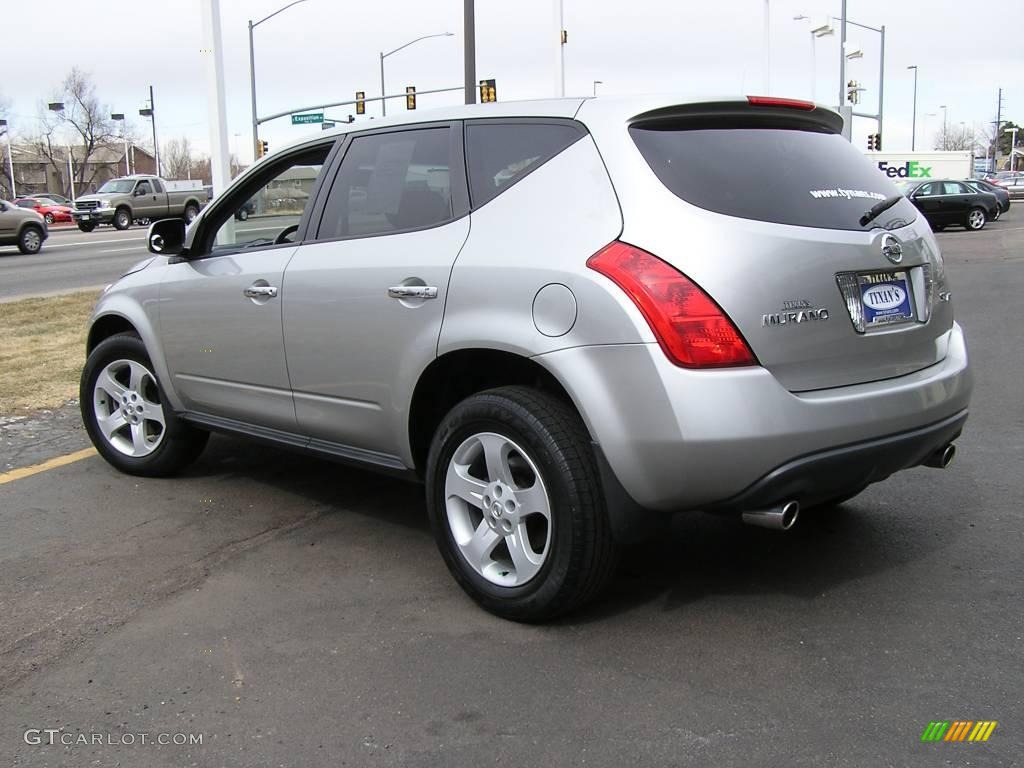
<point x="122" y="218"/>
<point x="515" y="504"/>
<point x="126" y="413"/>
<point x="191" y="211"/>
<point x="30" y="240"/>
<point x="975" y="219"/>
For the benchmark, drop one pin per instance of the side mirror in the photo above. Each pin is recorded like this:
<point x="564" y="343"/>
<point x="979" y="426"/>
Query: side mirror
<point x="166" y="237"/>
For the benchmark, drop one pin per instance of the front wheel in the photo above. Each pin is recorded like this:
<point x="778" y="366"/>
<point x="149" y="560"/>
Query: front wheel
<point x="86" y="226"/>
<point x="514" y="499"/>
<point x="122" y="218"/>
<point x="48" y="218"/>
<point x="126" y="414"/>
<point x="975" y="219"/>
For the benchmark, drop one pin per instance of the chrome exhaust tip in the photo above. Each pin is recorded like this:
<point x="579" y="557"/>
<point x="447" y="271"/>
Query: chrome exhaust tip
<point x="780" y="518"/>
<point x="942" y="458"/>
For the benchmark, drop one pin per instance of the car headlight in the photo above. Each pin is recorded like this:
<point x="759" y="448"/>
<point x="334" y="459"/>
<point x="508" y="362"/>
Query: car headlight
<point x="104" y="203"/>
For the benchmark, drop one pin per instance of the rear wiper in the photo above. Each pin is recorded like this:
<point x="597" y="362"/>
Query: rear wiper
<point x="878" y="209"/>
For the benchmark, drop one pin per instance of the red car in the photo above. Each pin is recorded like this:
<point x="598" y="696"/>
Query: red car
<point x="48" y="210"/>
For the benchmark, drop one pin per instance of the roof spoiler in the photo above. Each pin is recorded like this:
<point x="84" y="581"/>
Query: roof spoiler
<point x="754" y="112"/>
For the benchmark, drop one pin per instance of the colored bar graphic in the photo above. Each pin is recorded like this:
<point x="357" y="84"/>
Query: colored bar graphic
<point x="959" y="730"/>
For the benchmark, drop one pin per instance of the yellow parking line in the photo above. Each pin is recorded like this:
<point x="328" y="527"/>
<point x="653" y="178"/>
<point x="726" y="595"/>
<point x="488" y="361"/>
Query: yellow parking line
<point x="35" y="469"/>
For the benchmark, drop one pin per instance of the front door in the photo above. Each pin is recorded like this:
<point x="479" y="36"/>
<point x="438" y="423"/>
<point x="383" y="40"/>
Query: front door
<point x="364" y="305"/>
<point x="929" y="200"/>
<point x="145" y="201"/>
<point x="220" y="311"/>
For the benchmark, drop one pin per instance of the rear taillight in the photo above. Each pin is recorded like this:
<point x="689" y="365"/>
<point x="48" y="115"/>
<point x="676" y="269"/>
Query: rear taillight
<point x="691" y="328"/>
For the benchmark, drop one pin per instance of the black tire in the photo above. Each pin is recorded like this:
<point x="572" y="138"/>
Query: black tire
<point x="181" y="443"/>
<point x="976" y="219"/>
<point x="938" y="227"/>
<point x="242" y="214"/>
<point x="581" y="553"/>
<point x="48" y="218"/>
<point x="122" y="218"/>
<point x="191" y="211"/>
<point x="30" y="240"/>
<point x="86" y="226"/>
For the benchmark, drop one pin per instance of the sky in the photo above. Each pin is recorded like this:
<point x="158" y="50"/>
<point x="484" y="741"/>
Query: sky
<point x="325" y="50"/>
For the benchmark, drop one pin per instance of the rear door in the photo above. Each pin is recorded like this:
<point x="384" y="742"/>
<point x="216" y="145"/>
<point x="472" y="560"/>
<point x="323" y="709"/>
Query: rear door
<point x="959" y="199"/>
<point x="761" y="206"/>
<point x="363" y="304"/>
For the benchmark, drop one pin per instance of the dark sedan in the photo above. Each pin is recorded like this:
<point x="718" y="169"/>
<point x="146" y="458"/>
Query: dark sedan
<point x="948" y="202"/>
<point x="1002" y="195"/>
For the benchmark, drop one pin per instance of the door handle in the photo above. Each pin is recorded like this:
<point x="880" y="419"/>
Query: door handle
<point x="261" y="291"/>
<point x="412" y="292"/>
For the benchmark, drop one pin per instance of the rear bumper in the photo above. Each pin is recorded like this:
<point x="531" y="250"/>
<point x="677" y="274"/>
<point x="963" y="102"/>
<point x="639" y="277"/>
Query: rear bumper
<point x="678" y="439"/>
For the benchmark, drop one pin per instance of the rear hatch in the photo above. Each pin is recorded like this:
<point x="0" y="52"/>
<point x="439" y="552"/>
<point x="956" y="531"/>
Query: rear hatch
<point x="761" y="204"/>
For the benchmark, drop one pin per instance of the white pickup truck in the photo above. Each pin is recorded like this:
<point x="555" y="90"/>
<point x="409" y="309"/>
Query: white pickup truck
<point x="121" y="201"/>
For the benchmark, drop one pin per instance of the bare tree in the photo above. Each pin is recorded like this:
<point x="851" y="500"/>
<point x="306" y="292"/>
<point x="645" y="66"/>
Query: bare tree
<point x="177" y="158"/>
<point x="6" y="180"/>
<point x="955" y="138"/>
<point x="89" y="121"/>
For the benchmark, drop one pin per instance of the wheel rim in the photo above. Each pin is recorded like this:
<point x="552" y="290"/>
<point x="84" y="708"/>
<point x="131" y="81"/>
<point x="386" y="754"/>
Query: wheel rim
<point x="190" y="213"/>
<point x="129" y="414"/>
<point x="49" y="218"/>
<point x="122" y="219"/>
<point x="32" y="240"/>
<point x="498" y="509"/>
<point x="977" y="218"/>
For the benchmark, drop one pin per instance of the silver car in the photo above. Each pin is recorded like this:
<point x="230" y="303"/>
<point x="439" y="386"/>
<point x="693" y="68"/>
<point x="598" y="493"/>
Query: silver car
<point x="22" y="227"/>
<point x="566" y="318"/>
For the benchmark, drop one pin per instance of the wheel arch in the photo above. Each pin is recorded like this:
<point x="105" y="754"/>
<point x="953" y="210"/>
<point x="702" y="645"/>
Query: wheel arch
<point x="456" y="375"/>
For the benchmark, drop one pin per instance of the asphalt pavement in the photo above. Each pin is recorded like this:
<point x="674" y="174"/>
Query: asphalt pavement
<point x="294" y="613"/>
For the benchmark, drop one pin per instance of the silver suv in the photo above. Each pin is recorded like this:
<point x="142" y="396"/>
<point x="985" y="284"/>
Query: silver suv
<point x="567" y="318"/>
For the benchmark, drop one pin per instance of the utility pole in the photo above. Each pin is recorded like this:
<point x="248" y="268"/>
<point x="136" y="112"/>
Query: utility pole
<point x="220" y="169"/>
<point x="881" y="79"/>
<point x="767" y="43"/>
<point x="842" y="55"/>
<point x="469" y="49"/>
<point x="999" y="122"/>
<point x="913" y="119"/>
<point x="252" y="92"/>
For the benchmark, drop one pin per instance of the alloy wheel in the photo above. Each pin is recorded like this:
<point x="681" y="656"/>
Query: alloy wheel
<point x="976" y="219"/>
<point x="129" y="414"/>
<point x="32" y="241"/>
<point x="498" y="509"/>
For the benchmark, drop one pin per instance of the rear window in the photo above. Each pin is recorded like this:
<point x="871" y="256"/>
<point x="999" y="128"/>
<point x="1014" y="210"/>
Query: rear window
<point x="788" y="176"/>
<point x="500" y="154"/>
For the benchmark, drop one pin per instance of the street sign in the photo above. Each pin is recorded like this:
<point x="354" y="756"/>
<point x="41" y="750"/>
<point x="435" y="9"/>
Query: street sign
<point x="326" y="124"/>
<point x="310" y="117"/>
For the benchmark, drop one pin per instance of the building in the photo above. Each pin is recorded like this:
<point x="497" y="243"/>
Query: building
<point x="36" y="171"/>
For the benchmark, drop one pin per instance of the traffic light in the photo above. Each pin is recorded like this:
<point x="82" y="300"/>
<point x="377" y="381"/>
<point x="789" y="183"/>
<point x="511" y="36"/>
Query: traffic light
<point x="875" y="142"/>
<point x="410" y="97"/>
<point x="488" y="91"/>
<point x="360" y="102"/>
<point x="853" y="90"/>
<point x="262" y="147"/>
<point x="871" y="142"/>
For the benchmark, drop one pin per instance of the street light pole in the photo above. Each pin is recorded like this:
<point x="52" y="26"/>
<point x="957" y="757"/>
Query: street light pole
<point x="945" y="125"/>
<point x="597" y="83"/>
<point x="767" y="44"/>
<point x="1011" y="131"/>
<point x="10" y="158"/>
<point x="58" y="106"/>
<point x="842" y="55"/>
<point x="913" y="119"/>
<point x="383" y="100"/>
<point x="118" y="117"/>
<point x="252" y="73"/>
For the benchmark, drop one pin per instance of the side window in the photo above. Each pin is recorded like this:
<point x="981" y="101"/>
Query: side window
<point x="499" y="154"/>
<point x="930" y="189"/>
<point x="391" y="182"/>
<point x="953" y="188"/>
<point x="267" y="210"/>
<point x="143" y="188"/>
<point x="158" y="185"/>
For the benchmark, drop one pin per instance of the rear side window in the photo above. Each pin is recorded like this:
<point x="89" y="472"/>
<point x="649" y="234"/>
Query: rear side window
<point x="499" y="154"/>
<point x="784" y="175"/>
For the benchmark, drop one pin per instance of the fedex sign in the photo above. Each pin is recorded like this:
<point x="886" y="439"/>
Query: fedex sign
<point x="909" y="170"/>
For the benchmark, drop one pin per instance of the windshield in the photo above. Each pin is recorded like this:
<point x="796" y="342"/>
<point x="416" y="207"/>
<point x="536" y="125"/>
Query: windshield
<point x="118" y="186"/>
<point x="807" y="178"/>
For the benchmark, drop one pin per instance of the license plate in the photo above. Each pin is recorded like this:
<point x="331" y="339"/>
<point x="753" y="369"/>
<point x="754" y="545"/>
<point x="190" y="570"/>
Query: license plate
<point x="85" y="217"/>
<point x="886" y="298"/>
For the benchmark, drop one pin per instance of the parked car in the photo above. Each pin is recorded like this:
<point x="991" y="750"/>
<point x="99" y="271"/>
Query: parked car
<point x="48" y="209"/>
<point x="58" y="199"/>
<point x="567" y="318"/>
<point x="946" y="202"/>
<point x="22" y="227"/>
<point x="138" y="197"/>
<point x="1014" y="186"/>
<point x="1001" y="193"/>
